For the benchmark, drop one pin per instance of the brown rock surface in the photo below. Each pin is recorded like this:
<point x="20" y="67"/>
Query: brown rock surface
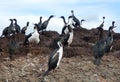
<point x="29" y="63"/>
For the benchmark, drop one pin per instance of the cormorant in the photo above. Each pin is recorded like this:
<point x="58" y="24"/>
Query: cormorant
<point x="8" y="30"/>
<point x="55" y="58"/>
<point x="109" y="39"/>
<point x="39" y="24"/>
<point x="17" y="27"/>
<point x="103" y="46"/>
<point x="68" y="38"/>
<point x="45" y="23"/>
<point x="65" y="29"/>
<point x="24" y="28"/>
<point x="33" y="37"/>
<point x="76" y="21"/>
<point x="100" y="29"/>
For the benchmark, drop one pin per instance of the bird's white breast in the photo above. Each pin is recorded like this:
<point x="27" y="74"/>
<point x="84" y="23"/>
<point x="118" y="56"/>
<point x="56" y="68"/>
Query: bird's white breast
<point x="60" y="55"/>
<point x="70" y="38"/>
<point x="34" y="38"/>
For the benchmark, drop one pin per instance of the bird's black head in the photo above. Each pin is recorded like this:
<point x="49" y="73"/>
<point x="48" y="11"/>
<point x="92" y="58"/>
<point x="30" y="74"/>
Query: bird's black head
<point x="35" y="26"/>
<point x="111" y="27"/>
<point x="113" y="22"/>
<point x="62" y="17"/>
<point x="82" y="20"/>
<point x="70" y="17"/>
<point x="51" y="16"/>
<point x="103" y="17"/>
<point x="27" y="23"/>
<point x="10" y="19"/>
<point x="15" y="19"/>
<point x="40" y="17"/>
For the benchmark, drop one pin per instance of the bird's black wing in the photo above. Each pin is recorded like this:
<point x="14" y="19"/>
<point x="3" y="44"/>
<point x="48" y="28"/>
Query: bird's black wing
<point x="65" y="38"/>
<point x="26" y="38"/>
<point x="23" y="29"/>
<point x="53" y="60"/>
<point x="63" y="30"/>
<point x="76" y="20"/>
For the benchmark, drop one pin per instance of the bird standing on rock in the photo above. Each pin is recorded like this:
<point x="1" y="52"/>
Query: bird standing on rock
<point x="65" y="29"/>
<point x="100" y="29"/>
<point x="17" y="27"/>
<point x="68" y="37"/>
<point x="24" y="28"/>
<point x="8" y="30"/>
<point x="75" y="21"/>
<point x="39" y="24"/>
<point x="103" y="46"/>
<point x="55" y="57"/>
<point x="45" y="24"/>
<point x="34" y="37"/>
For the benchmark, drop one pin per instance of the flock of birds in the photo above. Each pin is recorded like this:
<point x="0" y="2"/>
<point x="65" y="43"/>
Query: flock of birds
<point x="102" y="46"/>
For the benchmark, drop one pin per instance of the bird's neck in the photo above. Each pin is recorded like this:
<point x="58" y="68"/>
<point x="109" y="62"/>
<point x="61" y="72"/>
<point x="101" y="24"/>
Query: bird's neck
<point x="15" y="22"/>
<point x="27" y="25"/>
<point x="40" y="20"/>
<point x="64" y="21"/>
<point x="11" y="23"/>
<point x="49" y="18"/>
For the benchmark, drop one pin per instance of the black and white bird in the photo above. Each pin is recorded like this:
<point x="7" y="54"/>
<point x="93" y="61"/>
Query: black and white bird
<point x="103" y="46"/>
<point x="109" y="39"/>
<point x="23" y="30"/>
<point x="55" y="58"/>
<point x="17" y="27"/>
<point x="34" y="37"/>
<point x="68" y="37"/>
<point x="39" y="23"/>
<point x="65" y="29"/>
<point x="8" y="30"/>
<point x="75" y="21"/>
<point x="45" y="24"/>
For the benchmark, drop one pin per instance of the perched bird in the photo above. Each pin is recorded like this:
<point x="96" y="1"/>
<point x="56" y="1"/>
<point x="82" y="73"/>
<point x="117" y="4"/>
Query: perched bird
<point x="39" y="24"/>
<point x="65" y="29"/>
<point x="102" y="24"/>
<point x="63" y="19"/>
<point x="100" y="29"/>
<point x="24" y="28"/>
<point x="45" y="23"/>
<point x="12" y="47"/>
<point x="103" y="46"/>
<point x="109" y="39"/>
<point x="81" y="21"/>
<point x="55" y="58"/>
<point x="76" y="21"/>
<point x="33" y="37"/>
<point x="68" y="38"/>
<point x="8" y="30"/>
<point x="17" y="27"/>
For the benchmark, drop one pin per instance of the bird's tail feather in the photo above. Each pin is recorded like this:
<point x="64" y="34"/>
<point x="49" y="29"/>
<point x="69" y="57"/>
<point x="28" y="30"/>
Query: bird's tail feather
<point x="97" y="61"/>
<point x="45" y="73"/>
